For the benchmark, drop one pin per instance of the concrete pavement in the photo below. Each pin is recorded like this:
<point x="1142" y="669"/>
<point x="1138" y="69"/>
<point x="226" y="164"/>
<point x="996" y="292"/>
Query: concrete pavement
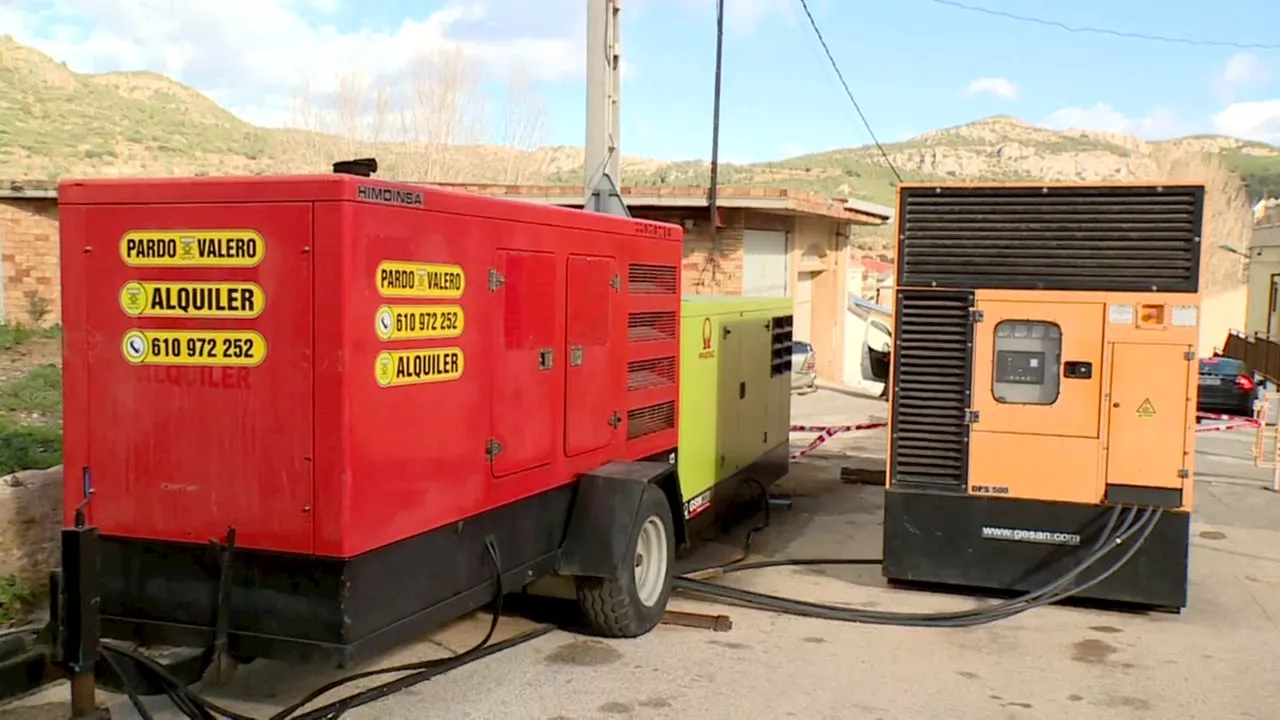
<point x="1217" y="660"/>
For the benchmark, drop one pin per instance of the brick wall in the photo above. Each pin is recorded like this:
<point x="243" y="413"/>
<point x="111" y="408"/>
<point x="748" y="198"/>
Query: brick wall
<point x="29" y="253"/>
<point x="705" y="271"/>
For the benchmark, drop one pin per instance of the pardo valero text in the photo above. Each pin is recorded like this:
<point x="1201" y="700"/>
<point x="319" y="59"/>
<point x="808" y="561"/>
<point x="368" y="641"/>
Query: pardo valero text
<point x="192" y="299"/>
<point x="402" y="279"/>
<point x="192" y="248"/>
<point x="416" y="367"/>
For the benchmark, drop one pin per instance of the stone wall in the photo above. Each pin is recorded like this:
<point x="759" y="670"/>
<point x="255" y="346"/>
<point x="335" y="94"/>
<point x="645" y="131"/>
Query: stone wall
<point x="31" y="292"/>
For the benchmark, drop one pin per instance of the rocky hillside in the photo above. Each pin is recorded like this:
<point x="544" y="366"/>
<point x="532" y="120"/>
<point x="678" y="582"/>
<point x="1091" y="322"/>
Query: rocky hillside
<point x="55" y="123"/>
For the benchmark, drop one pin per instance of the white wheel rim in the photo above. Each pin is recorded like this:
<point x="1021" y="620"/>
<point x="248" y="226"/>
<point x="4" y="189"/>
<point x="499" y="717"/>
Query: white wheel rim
<point x="651" y="561"/>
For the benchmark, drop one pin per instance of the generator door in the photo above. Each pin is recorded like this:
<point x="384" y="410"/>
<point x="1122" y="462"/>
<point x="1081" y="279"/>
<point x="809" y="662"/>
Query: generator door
<point x="1037" y="368"/>
<point x="1148" y="407"/>
<point x="745" y="358"/>
<point x="199" y="360"/>
<point x="591" y="412"/>
<point x="526" y="363"/>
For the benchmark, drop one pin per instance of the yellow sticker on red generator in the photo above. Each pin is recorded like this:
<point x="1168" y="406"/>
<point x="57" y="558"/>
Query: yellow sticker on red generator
<point x="427" y="281"/>
<point x="209" y="348"/>
<point x="418" y="322"/>
<point x="192" y="299"/>
<point x="192" y="248"/>
<point x="417" y="367"/>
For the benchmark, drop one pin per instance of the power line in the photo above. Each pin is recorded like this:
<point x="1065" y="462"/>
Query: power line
<point x="822" y="41"/>
<point x="1106" y="31"/>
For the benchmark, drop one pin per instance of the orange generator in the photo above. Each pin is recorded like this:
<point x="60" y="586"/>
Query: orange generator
<point x="313" y="416"/>
<point x="1044" y="380"/>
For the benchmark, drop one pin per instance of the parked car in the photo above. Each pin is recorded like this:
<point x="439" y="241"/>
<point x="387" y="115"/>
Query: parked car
<point x="804" y="368"/>
<point x="1226" y="387"/>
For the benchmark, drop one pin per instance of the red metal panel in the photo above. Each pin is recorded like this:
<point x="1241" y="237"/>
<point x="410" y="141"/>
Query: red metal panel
<point x="528" y="369"/>
<point x="185" y="451"/>
<point x="591" y="376"/>
<point x="415" y="457"/>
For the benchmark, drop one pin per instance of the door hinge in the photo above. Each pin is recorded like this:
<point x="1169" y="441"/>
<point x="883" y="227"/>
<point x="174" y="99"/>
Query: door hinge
<point x="1184" y="474"/>
<point x="766" y="437"/>
<point x="495" y="279"/>
<point x="616" y="283"/>
<point x="976" y="315"/>
<point x="1189" y="355"/>
<point x="492" y="449"/>
<point x="971" y="417"/>
<point x="615" y="420"/>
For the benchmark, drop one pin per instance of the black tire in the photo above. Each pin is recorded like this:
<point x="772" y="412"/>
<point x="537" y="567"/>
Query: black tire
<point x="612" y="607"/>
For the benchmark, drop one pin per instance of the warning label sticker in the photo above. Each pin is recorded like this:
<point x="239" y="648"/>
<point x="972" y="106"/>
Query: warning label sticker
<point x="1146" y="409"/>
<point x="397" y="279"/>
<point x="418" y="322"/>
<point x="192" y="248"/>
<point x="212" y="348"/>
<point x="416" y="367"/>
<point x="192" y="299"/>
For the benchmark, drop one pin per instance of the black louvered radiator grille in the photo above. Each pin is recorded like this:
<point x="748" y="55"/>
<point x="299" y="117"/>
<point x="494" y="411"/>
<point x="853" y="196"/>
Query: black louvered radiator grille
<point x="932" y="384"/>
<point x="1119" y="238"/>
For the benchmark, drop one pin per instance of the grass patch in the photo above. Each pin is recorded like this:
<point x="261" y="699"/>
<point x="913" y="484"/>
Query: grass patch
<point x="15" y="600"/>
<point x="35" y="397"/>
<point x="31" y="420"/>
<point x="13" y="335"/>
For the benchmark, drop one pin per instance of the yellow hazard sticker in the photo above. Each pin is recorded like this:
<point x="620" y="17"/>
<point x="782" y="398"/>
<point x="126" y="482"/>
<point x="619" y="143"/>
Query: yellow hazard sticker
<point x="192" y="299"/>
<point x="1146" y="409"/>
<point x="192" y="248"/>
<point x="416" y="367"/>
<point x="212" y="348"/>
<point x="400" y="279"/>
<point x="418" y="322"/>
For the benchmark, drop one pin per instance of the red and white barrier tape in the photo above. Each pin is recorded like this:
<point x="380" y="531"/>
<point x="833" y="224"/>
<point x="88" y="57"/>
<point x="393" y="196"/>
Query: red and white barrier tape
<point x="826" y="432"/>
<point x="1232" y="422"/>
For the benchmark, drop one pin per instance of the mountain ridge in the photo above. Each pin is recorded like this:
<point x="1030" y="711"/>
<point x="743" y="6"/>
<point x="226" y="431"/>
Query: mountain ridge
<point x="56" y="123"/>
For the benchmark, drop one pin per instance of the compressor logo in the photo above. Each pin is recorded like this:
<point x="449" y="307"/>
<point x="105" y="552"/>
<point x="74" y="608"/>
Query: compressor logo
<point x="192" y="248"/>
<point x="1032" y="536"/>
<point x="707" y="335"/>
<point x="389" y="196"/>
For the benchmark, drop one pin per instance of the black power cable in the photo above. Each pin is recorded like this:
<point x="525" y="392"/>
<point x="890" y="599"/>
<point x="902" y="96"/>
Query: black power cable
<point x="840" y="76"/>
<point x="195" y="706"/>
<point x="1059" y="589"/>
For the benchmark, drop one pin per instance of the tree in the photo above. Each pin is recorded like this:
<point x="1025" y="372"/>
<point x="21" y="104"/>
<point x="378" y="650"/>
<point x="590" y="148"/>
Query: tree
<point x="525" y="127"/>
<point x="428" y="125"/>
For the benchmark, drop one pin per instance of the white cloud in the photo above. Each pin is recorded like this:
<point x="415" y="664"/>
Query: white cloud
<point x="1159" y="124"/>
<point x="1250" y="121"/>
<point x="252" y="55"/>
<point x="1000" y="87"/>
<point x="1243" y="70"/>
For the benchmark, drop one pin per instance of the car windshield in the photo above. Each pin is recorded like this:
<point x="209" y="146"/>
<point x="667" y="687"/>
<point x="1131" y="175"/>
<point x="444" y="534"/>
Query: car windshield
<point x="801" y="347"/>
<point x="1222" y="366"/>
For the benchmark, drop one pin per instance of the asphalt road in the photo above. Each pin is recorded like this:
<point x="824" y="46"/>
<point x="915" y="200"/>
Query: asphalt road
<point x="1217" y="660"/>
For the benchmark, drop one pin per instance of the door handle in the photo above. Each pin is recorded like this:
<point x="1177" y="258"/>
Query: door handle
<point x="742" y="390"/>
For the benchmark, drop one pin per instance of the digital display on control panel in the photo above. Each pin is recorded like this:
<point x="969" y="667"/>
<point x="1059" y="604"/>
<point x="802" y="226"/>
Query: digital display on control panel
<point x="1020" y="366"/>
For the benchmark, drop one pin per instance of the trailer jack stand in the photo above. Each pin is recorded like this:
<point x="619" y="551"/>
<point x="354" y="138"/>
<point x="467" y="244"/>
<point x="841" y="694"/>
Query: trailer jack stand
<point x="75" y="600"/>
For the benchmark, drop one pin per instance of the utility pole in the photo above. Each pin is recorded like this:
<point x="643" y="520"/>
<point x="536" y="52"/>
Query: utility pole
<point x="604" y="99"/>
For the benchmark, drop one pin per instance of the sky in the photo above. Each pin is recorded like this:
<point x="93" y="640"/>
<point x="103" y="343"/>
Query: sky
<point x="912" y="65"/>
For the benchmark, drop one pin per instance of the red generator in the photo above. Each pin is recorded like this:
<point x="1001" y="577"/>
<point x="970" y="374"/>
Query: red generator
<point x="312" y="417"/>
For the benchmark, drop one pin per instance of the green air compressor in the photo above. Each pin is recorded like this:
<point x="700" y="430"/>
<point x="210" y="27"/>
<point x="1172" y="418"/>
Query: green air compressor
<point x="735" y="404"/>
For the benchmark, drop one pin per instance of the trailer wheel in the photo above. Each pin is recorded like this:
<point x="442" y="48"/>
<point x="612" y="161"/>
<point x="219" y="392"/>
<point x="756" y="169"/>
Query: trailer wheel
<point x="632" y="603"/>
